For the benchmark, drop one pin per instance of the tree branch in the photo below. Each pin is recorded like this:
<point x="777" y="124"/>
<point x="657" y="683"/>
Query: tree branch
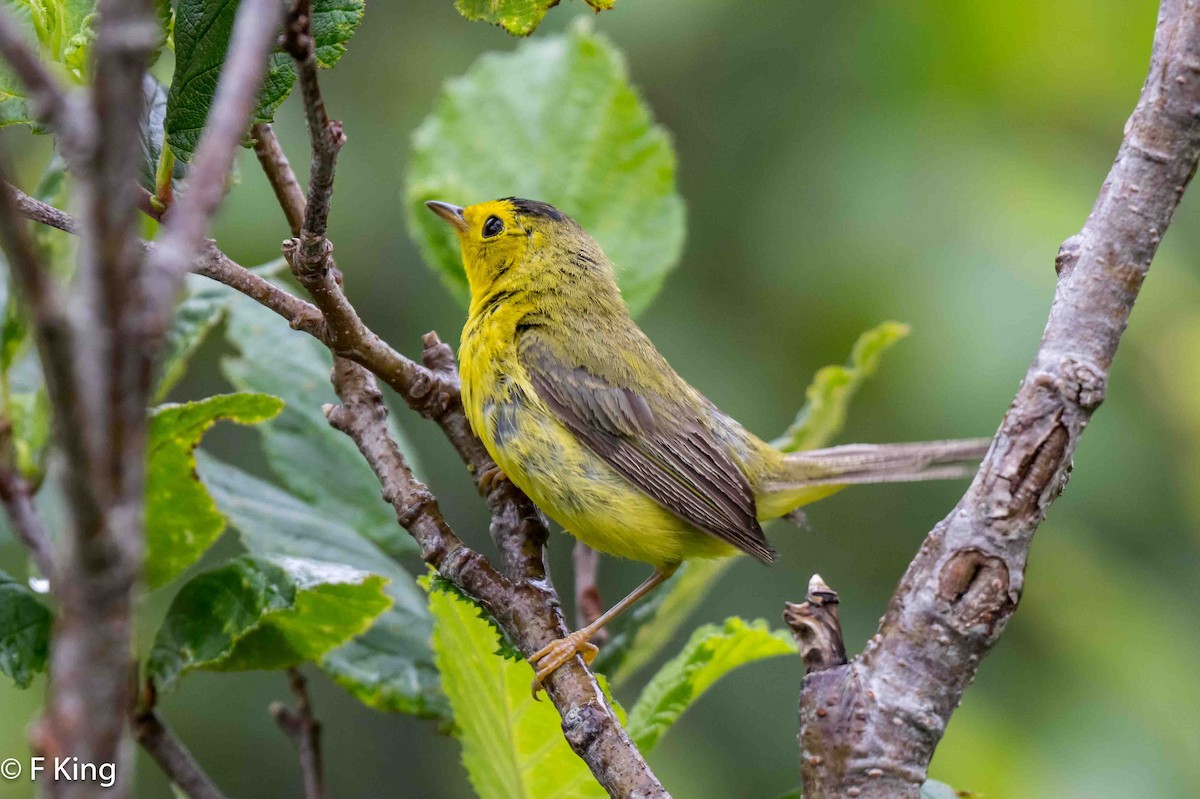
<point x="98" y="361"/>
<point x="279" y="174"/>
<point x="17" y="496"/>
<point x="869" y="728"/>
<point x="588" y="605"/>
<point x="528" y="608"/>
<point x="101" y="426"/>
<point x="524" y="603"/>
<point x="305" y="731"/>
<point x="362" y="415"/>
<point x="172" y="756"/>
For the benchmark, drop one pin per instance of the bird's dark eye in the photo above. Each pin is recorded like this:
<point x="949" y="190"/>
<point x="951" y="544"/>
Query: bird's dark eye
<point x="492" y="227"/>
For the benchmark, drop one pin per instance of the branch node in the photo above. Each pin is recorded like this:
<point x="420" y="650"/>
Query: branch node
<point x="1083" y="382"/>
<point x="437" y="355"/>
<point x="1068" y="255"/>
<point x="817" y="628"/>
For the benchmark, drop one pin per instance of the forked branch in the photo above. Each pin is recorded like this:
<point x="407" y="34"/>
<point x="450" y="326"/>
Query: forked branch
<point x="869" y="727"/>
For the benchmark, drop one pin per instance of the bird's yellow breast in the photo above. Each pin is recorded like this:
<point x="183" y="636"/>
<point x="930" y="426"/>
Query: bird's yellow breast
<point x="569" y="482"/>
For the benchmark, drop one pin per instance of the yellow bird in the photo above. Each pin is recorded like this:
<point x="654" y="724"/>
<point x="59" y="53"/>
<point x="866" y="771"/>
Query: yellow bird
<point x="580" y="411"/>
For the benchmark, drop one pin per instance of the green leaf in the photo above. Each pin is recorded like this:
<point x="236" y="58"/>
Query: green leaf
<point x="182" y="521"/>
<point x="518" y="17"/>
<point x="711" y="653"/>
<point x="391" y="666"/>
<point x="24" y="632"/>
<point x="512" y="746"/>
<point x="61" y="32"/>
<point x="316" y="462"/>
<point x="30" y="415"/>
<point x="435" y="582"/>
<point x="198" y="313"/>
<point x="202" y="32"/>
<point x="832" y="388"/>
<point x="263" y="613"/>
<point x="639" y="635"/>
<point x="14" y="332"/>
<point x="333" y="23"/>
<point x="575" y="133"/>
<point x="153" y="135"/>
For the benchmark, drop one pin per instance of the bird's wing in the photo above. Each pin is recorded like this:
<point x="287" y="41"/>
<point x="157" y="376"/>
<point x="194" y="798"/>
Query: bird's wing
<point x="675" y="461"/>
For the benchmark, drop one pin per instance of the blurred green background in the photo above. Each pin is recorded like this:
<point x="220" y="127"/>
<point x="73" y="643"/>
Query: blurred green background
<point x="843" y="163"/>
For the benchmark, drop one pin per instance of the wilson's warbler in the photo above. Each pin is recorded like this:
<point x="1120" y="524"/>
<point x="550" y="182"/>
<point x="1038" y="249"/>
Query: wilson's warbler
<point x="581" y="412"/>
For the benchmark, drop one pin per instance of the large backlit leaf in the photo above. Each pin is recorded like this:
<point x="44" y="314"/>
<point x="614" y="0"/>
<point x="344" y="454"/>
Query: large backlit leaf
<point x="316" y="462"/>
<point x="711" y="653"/>
<point x="202" y="33"/>
<point x="390" y="667"/>
<point x="571" y="131"/>
<point x="182" y="521"/>
<point x="832" y="388"/>
<point x="512" y="746"/>
<point x="263" y="613"/>
<point x="518" y="17"/>
<point x="24" y="632"/>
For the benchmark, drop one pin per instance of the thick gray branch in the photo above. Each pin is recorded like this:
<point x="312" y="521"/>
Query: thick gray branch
<point x="100" y="419"/>
<point x="869" y="728"/>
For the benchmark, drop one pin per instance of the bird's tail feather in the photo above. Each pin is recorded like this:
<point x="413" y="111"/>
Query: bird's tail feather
<point x="804" y="477"/>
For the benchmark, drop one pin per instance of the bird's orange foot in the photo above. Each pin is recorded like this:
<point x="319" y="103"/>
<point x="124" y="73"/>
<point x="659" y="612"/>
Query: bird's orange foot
<point x="558" y="652"/>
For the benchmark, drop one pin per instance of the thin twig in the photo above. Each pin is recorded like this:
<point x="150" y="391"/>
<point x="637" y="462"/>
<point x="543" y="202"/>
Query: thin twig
<point x="362" y="415"/>
<point x="326" y="135"/>
<point x="305" y="731"/>
<point x="279" y="174"/>
<point x="172" y="756"/>
<point x="17" y="496"/>
<point x="588" y="603"/>
<point x="869" y="728"/>
<point x="212" y="264"/>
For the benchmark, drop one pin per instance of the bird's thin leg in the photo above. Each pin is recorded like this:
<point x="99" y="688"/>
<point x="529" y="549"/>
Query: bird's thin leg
<point x="560" y="650"/>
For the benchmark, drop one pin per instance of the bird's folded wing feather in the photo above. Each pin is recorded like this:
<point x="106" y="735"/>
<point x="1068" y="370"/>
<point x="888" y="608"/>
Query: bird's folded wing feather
<point x="671" y="457"/>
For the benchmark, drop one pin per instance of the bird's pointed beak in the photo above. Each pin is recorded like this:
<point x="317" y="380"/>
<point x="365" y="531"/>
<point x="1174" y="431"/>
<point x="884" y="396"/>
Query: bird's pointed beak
<point x="451" y="213"/>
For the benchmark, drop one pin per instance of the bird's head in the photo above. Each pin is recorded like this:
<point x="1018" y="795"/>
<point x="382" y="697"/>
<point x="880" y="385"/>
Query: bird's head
<point x="519" y="240"/>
